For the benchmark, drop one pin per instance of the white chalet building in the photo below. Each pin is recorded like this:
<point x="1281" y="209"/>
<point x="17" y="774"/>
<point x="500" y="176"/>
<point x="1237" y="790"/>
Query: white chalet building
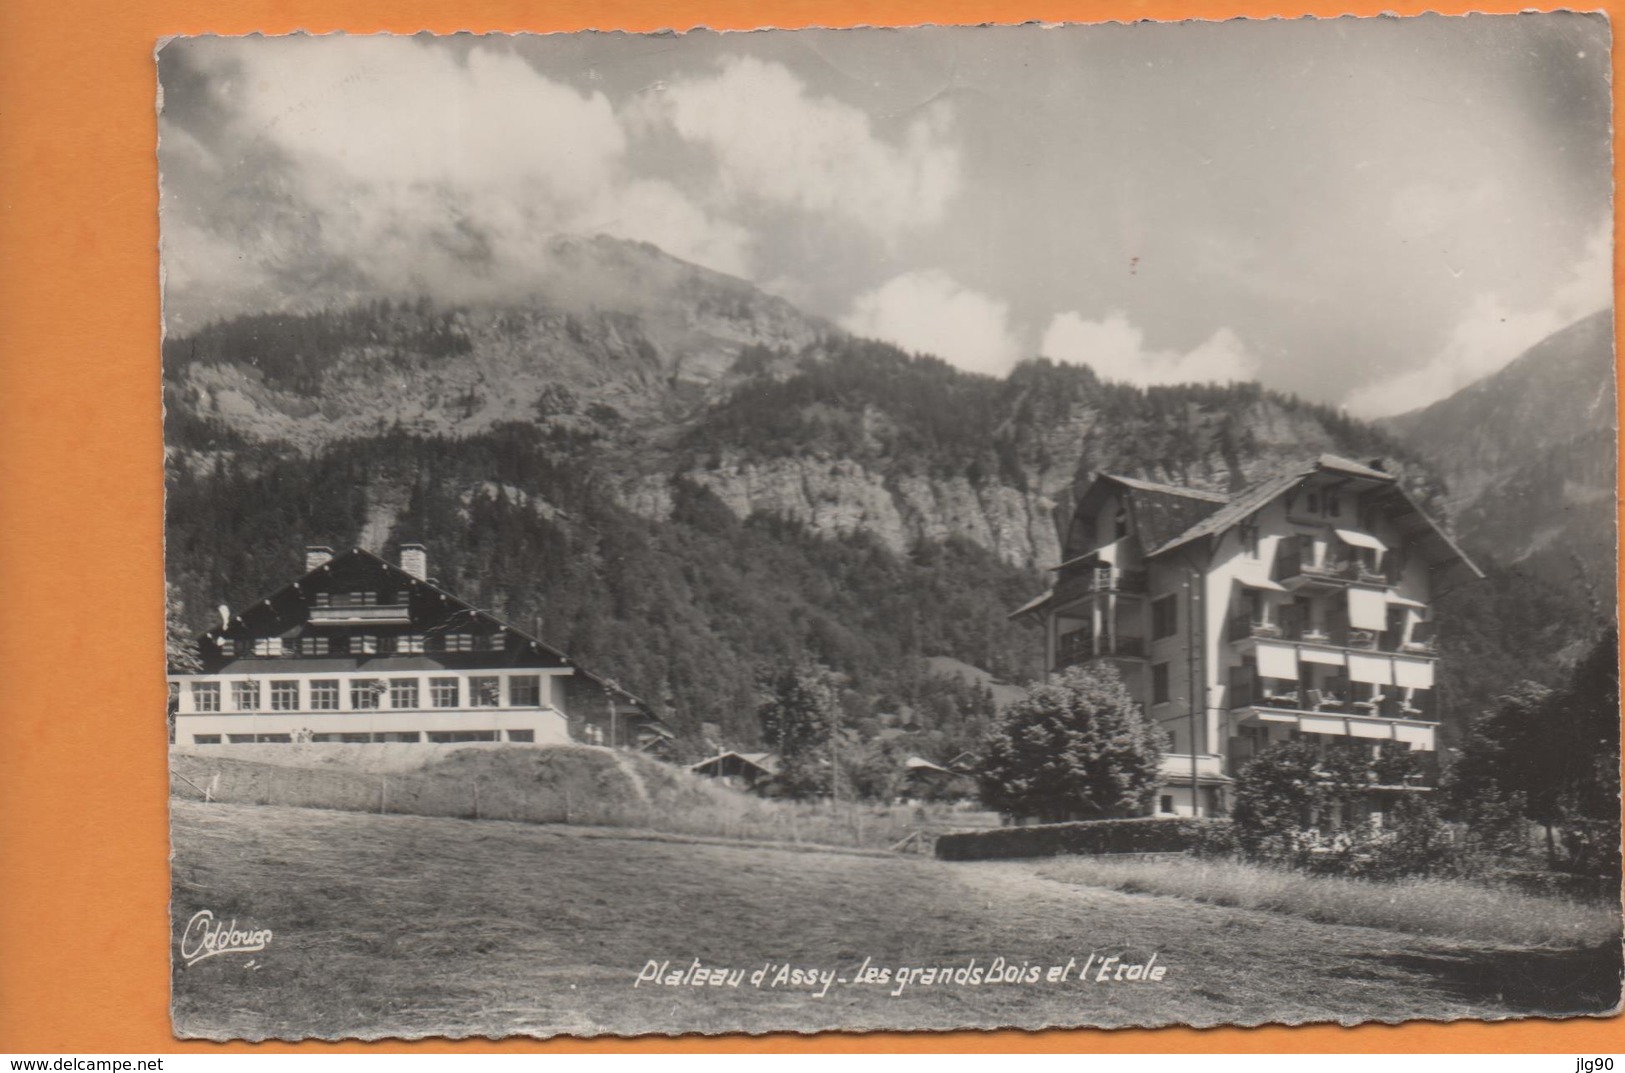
<point x="1296" y="609"/>
<point x="363" y="650"/>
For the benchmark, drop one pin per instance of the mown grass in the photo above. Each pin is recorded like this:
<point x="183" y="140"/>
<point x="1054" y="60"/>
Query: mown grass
<point x="412" y="926"/>
<point x="578" y="785"/>
<point x="1442" y="908"/>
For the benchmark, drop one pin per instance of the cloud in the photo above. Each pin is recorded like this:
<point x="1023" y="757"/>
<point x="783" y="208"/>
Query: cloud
<point x="773" y="142"/>
<point x="1115" y="348"/>
<point x="399" y="166"/>
<point x="930" y="313"/>
<point x="1491" y="333"/>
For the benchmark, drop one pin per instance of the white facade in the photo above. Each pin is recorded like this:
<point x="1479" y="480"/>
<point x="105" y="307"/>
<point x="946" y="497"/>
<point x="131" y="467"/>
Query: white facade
<point x="508" y="705"/>
<point x="1294" y="610"/>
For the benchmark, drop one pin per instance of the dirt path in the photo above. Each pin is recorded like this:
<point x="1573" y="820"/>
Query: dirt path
<point x="404" y="926"/>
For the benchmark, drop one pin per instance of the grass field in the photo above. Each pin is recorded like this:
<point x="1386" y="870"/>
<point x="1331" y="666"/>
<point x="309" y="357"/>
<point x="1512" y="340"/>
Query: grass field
<point x="1437" y="907"/>
<point x="553" y="784"/>
<point x="410" y="926"/>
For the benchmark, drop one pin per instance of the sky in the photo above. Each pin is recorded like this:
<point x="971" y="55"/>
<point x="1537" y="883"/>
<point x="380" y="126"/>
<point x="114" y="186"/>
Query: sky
<point x="1370" y="213"/>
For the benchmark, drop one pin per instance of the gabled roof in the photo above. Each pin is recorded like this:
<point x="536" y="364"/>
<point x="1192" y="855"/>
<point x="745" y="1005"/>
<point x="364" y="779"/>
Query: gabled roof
<point x="1160" y="511"/>
<point x="767" y="763"/>
<point x="1439" y="549"/>
<point x="410" y="580"/>
<point x="1247" y="501"/>
<point x="1169" y="518"/>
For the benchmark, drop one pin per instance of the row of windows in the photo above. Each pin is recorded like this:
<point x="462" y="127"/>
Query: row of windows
<point x="361" y="644"/>
<point x="484" y="691"/>
<point x="436" y="736"/>
<point x="356" y="599"/>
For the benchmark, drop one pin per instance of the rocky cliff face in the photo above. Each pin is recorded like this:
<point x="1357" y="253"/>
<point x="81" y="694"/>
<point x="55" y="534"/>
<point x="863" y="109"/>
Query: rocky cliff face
<point x="839" y="497"/>
<point x="660" y="370"/>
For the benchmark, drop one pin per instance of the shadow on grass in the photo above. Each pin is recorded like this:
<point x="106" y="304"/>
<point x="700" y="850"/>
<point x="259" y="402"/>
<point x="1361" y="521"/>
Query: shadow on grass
<point x="1530" y="982"/>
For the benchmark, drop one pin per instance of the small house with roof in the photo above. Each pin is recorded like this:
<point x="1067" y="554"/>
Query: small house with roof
<point x="359" y="649"/>
<point x="1299" y="608"/>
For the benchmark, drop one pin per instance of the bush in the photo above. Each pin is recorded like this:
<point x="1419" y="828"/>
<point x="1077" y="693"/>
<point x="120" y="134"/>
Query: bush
<point x="1075" y="746"/>
<point x="1151" y="834"/>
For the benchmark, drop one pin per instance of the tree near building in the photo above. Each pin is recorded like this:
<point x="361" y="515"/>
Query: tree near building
<point x="1551" y="756"/>
<point x="800" y="716"/>
<point x="1075" y="748"/>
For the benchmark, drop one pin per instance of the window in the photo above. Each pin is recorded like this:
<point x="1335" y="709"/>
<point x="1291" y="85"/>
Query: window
<point x="245" y="696"/>
<point x="240" y="739"/>
<point x="1164" y="616"/>
<point x="458" y="642"/>
<point x="205" y="696"/>
<point x="1121" y="525"/>
<point x="409" y="642"/>
<point x="485" y="691"/>
<point x="363" y="643"/>
<point x="276" y="739"/>
<point x="324" y="695"/>
<point x="1167" y="804"/>
<point x="267" y="646"/>
<point x="443" y="692"/>
<point x="398" y="736"/>
<point x="403" y="692"/>
<point x="441" y="737"/>
<point x="284" y="696"/>
<point x="525" y="690"/>
<point x="1159" y="683"/>
<point x="366" y="693"/>
<point x="522" y="735"/>
<point x="205" y="739"/>
<point x="1334" y="504"/>
<point x="227" y="646"/>
<point x="313" y="646"/>
<point x="1249" y="540"/>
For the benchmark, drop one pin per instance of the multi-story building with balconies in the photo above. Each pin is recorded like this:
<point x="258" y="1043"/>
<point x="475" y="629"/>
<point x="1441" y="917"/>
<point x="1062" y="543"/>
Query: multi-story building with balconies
<point x="1297" y="609"/>
<point x="362" y="650"/>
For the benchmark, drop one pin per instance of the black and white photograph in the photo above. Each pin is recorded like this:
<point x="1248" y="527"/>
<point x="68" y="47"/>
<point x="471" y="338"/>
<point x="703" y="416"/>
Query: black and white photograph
<point x="915" y="529"/>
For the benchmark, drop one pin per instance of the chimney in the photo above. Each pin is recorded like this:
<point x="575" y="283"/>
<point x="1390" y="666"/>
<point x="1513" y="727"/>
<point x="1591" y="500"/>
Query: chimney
<point x="415" y="560"/>
<point x="316" y="555"/>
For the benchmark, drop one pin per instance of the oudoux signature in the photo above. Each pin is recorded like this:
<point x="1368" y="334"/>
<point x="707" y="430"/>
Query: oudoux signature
<point x="205" y="937"/>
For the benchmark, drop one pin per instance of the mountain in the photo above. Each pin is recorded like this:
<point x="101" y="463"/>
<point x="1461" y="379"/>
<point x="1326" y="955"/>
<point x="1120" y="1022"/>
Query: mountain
<point x="1528" y="457"/>
<point x="682" y="480"/>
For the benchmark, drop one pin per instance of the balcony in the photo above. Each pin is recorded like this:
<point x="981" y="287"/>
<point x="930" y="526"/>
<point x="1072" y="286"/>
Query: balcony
<point x="1251" y="691"/>
<point x="1079" y="647"/>
<point x="1089" y="581"/>
<point x="368" y="614"/>
<point x="1176" y="767"/>
<point x="1296" y="565"/>
<point x="1244" y="627"/>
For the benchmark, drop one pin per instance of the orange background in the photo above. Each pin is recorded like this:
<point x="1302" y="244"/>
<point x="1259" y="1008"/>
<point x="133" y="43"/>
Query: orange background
<point x="84" y="927"/>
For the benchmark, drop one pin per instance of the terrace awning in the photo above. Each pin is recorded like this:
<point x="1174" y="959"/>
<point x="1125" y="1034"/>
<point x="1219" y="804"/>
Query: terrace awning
<point x="1376" y="670"/>
<point x="1397" y="600"/>
<point x="1361" y="729"/>
<point x="1277" y="661"/>
<point x="1420" y="736"/>
<point x="1328" y="656"/>
<point x="1413" y="673"/>
<point x="1368" y="609"/>
<point x="1356" y="539"/>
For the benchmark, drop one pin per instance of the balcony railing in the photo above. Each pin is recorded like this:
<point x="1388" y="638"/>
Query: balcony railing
<point x="370" y="613"/>
<point x="1251" y="691"/>
<point x="1079" y="647"/>
<point x="1244" y="627"/>
<point x="1087" y="581"/>
<point x="1295" y="561"/>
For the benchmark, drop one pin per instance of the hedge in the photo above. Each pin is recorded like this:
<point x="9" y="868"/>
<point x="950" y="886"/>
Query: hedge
<point x="1151" y="834"/>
